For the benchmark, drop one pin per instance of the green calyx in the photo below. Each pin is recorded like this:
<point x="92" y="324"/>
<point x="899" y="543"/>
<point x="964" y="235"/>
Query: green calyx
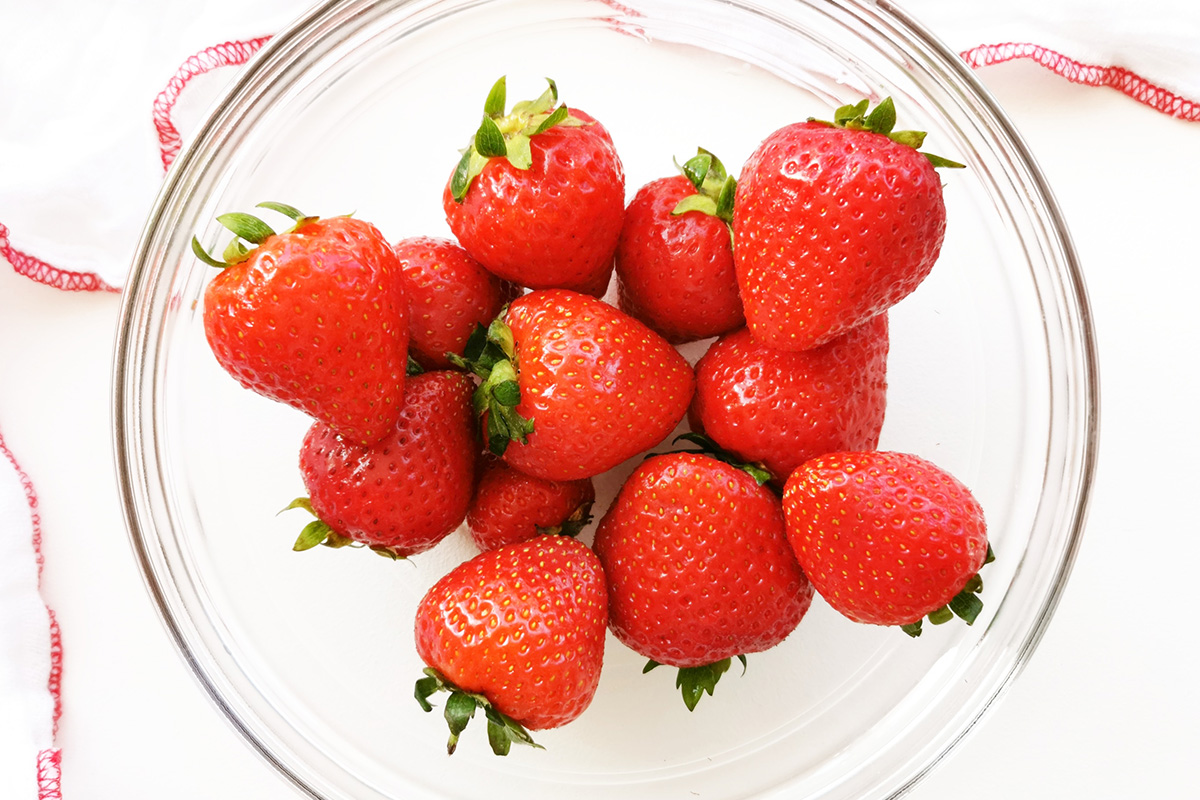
<point x="715" y="188"/>
<point x="573" y="525"/>
<point x="762" y="476"/>
<point x="503" y="730"/>
<point x="491" y="354"/>
<point x="882" y="120"/>
<point x="320" y="532"/>
<point x="694" y="682"/>
<point x="502" y="135"/>
<point x="965" y="605"/>
<point x="248" y="232"/>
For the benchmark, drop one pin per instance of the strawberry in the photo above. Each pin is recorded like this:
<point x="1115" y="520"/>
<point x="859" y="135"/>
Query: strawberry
<point x="539" y="195"/>
<point x="405" y="493"/>
<point x="314" y="317"/>
<point x="780" y="408"/>
<point x="888" y="538"/>
<point x="674" y="260"/>
<point x="518" y="631"/>
<point x="449" y="293"/>
<point x="510" y="506"/>
<point x="835" y="223"/>
<point x="575" y="385"/>
<point x="699" y="567"/>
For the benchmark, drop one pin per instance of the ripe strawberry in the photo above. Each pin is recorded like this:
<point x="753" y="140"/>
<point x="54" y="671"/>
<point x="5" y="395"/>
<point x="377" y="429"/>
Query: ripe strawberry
<point x="539" y="195"/>
<point x="449" y="293"/>
<point x="519" y="632"/>
<point x="405" y="493"/>
<point x="510" y="506"/>
<point x="314" y="317"/>
<point x="674" y="261"/>
<point x="699" y="567"/>
<point x="835" y="223"/>
<point x="575" y="385"/>
<point x="781" y="409"/>
<point x="888" y="538"/>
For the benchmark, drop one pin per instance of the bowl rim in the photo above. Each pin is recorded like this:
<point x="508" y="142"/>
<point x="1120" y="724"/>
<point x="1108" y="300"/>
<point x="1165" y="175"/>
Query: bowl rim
<point x="283" y="47"/>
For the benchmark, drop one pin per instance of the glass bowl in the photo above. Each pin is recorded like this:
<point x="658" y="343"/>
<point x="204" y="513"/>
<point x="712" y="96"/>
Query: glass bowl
<point x="360" y="107"/>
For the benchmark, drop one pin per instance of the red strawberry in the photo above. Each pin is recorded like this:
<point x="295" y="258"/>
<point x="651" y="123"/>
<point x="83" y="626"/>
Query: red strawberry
<point x="314" y="317"/>
<point x="699" y="567"/>
<point x="510" y="506"/>
<point x="835" y="223"/>
<point x="576" y="385"/>
<point x="539" y="195"/>
<point x="405" y="493"/>
<point x="449" y="293"/>
<point x="781" y="409"/>
<point x="888" y="538"/>
<point x="674" y="261"/>
<point x="518" y="631"/>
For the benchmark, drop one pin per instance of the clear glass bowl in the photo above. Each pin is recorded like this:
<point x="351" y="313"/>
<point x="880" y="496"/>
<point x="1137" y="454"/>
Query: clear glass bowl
<point x="360" y="107"/>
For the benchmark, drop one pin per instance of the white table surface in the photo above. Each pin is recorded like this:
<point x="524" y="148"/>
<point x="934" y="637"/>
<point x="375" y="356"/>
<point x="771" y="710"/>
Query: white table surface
<point x="1109" y="705"/>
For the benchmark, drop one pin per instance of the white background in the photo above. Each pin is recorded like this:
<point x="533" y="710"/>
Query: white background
<point x="1108" y="707"/>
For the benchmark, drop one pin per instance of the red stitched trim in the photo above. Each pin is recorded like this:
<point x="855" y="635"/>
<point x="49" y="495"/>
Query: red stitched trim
<point x="49" y="775"/>
<point x="40" y="271"/>
<point x="54" y="679"/>
<point x="225" y="54"/>
<point x="1118" y="78"/>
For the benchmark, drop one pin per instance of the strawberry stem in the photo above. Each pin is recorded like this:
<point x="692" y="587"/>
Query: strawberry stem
<point x="762" y="476"/>
<point x="507" y="136"/>
<point x="715" y="188"/>
<point x="503" y="730"/>
<point x="694" y="682"/>
<point x="882" y="120"/>
<point x="490" y="353"/>
<point x="965" y="605"/>
<point x="320" y="532"/>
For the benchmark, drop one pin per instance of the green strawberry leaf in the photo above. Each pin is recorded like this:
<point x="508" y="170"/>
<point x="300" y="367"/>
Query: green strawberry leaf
<point x="695" y="682"/>
<point x="762" y="476"/>
<point x="489" y="141"/>
<point x="913" y="629"/>
<point x="460" y="709"/>
<point x="313" y="534"/>
<point x="556" y="117"/>
<point x="695" y="202"/>
<point x="299" y="502"/>
<point x="246" y="226"/>
<point x="291" y="212"/>
<point x="696" y="168"/>
<point x="913" y="139"/>
<point x="938" y="161"/>
<point x="883" y="118"/>
<point x="493" y="106"/>
<point x="518" y="151"/>
<point x="202" y="254"/>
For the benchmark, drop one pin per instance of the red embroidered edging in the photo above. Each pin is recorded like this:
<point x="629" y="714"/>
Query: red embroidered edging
<point x="48" y="760"/>
<point x="225" y="54"/>
<point x="49" y="775"/>
<point x="1118" y="78"/>
<point x="40" y="271"/>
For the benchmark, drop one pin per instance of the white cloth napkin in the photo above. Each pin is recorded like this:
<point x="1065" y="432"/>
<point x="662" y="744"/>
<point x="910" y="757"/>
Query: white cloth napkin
<point x="95" y="97"/>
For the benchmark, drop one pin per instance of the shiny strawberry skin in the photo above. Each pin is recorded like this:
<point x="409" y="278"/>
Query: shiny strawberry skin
<point x="782" y="408"/>
<point x="833" y="226"/>
<point x="523" y="625"/>
<point x="410" y="490"/>
<point x="317" y="319"/>
<point x="885" y="537"/>
<point x="698" y="564"/>
<point x="553" y="225"/>
<point x="675" y="272"/>
<point x="448" y="294"/>
<point x="599" y="386"/>
<point x="510" y="506"/>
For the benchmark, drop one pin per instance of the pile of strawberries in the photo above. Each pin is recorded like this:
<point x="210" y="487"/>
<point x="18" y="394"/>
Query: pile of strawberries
<point x="483" y="380"/>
